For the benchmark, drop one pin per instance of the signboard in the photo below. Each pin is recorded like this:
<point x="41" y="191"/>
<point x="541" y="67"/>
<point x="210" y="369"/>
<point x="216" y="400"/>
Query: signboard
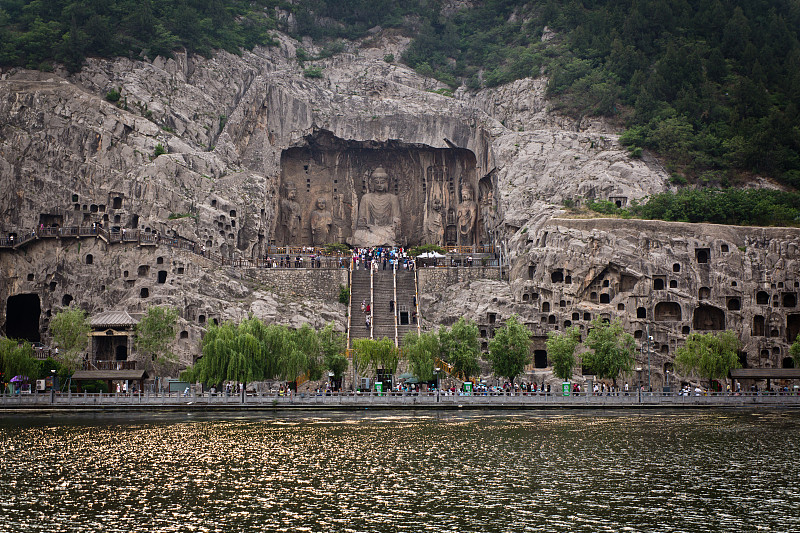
<point x="468" y="388"/>
<point x="379" y="388"/>
<point x="565" y="388"/>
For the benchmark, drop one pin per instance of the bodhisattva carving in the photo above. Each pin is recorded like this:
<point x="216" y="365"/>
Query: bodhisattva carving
<point x="378" y="214"/>
<point x="467" y="215"/>
<point x="434" y="226"/>
<point x="321" y="221"/>
<point x="290" y="216"/>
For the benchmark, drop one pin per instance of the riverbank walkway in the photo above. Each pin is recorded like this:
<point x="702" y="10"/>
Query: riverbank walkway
<point x="395" y="400"/>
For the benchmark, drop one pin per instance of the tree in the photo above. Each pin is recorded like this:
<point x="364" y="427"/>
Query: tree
<point x="70" y="329"/>
<point x="16" y="359"/>
<point x="333" y="345"/>
<point x="509" y="350"/>
<point x="421" y="350"/>
<point x="377" y="354"/>
<point x="612" y="349"/>
<point x="154" y="334"/>
<point x="561" y="351"/>
<point x="709" y="355"/>
<point x="795" y="351"/>
<point x="460" y="347"/>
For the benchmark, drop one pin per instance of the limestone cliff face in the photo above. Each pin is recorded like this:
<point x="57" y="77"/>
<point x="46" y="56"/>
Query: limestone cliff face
<point x="70" y="157"/>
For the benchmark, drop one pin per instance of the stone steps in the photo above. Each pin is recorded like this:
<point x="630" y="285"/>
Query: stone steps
<point x="359" y="291"/>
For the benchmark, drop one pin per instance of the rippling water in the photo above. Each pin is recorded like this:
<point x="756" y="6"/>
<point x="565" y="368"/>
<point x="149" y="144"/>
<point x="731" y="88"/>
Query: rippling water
<point x="400" y="472"/>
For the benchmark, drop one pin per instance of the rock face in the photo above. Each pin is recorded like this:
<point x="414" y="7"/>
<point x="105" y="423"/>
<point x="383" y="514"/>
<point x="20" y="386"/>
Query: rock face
<point x="237" y="133"/>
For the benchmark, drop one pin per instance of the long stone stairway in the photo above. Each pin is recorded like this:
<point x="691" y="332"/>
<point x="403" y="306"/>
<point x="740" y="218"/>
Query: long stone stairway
<point x="406" y="293"/>
<point x="359" y="292"/>
<point x="382" y="314"/>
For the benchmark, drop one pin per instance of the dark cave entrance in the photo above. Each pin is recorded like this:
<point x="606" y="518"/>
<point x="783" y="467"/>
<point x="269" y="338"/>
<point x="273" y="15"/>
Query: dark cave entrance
<point x="22" y="317"/>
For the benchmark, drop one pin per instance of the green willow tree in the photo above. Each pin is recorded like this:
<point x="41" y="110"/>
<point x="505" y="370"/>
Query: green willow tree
<point x="460" y="347"/>
<point x="709" y="355"/>
<point x="421" y="350"/>
<point x="611" y="350"/>
<point x="561" y="351"/>
<point x="70" y="329"/>
<point x="509" y="350"/>
<point x="333" y="345"/>
<point x="16" y="359"/>
<point x="376" y="354"/>
<point x="154" y="335"/>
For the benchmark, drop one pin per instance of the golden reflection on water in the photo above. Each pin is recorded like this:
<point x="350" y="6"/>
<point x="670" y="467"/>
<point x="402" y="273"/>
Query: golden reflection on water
<point x="395" y="472"/>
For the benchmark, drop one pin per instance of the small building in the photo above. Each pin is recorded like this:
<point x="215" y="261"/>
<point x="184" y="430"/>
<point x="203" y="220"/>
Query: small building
<point x="111" y="344"/>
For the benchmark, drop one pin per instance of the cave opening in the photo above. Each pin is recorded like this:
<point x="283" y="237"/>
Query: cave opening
<point x="22" y="317"/>
<point x="540" y="358"/>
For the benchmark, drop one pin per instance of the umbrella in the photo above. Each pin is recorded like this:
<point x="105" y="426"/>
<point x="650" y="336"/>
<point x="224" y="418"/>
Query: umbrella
<point x="19" y="379"/>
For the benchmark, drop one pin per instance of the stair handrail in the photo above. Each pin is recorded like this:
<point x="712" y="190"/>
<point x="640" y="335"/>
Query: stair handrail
<point x="371" y="301"/>
<point x="394" y="307"/>
<point x="350" y="301"/>
<point x="416" y="299"/>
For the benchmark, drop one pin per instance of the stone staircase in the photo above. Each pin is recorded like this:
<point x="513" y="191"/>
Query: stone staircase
<point x="406" y="290"/>
<point x="359" y="291"/>
<point x="382" y="315"/>
<point x="385" y="322"/>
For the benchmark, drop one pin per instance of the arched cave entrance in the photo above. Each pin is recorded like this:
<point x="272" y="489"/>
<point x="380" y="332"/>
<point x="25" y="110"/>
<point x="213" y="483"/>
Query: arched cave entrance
<point x="792" y="327"/>
<point x="22" y="317"/>
<point x="708" y="318"/>
<point x="540" y="358"/>
<point x="668" y="311"/>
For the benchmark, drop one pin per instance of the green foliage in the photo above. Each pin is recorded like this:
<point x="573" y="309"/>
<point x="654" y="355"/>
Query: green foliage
<point x="425" y="248"/>
<point x="113" y="96"/>
<point x="376" y="354"/>
<point x="756" y="207"/>
<point x="699" y="83"/>
<point x="794" y="351"/>
<point x="561" y="351"/>
<point x="344" y="295"/>
<point x="312" y="72"/>
<point x="16" y="359"/>
<point x="253" y="351"/>
<point x="176" y="216"/>
<point x="154" y="334"/>
<point x="612" y="349"/>
<point x="33" y="34"/>
<point x="337" y="248"/>
<point x="711" y="356"/>
<point x="442" y="91"/>
<point x="421" y="350"/>
<point x="69" y="329"/>
<point x="509" y="350"/>
<point x="333" y="345"/>
<point x="460" y="347"/>
<point x="160" y="150"/>
<point x="389" y="58"/>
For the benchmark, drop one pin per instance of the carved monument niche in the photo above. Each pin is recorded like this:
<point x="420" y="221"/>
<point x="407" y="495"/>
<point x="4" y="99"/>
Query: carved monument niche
<point x="374" y="193"/>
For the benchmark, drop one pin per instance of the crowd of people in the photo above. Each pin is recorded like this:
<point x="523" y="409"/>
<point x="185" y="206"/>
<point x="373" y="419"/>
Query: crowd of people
<point x="382" y="258"/>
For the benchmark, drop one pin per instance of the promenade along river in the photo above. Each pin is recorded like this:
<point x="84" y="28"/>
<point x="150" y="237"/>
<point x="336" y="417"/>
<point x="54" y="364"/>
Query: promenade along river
<point x="393" y="471"/>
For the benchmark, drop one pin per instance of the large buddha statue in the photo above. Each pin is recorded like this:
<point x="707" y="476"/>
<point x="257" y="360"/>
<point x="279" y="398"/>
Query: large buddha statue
<point x="467" y="215"/>
<point x="378" y="220"/>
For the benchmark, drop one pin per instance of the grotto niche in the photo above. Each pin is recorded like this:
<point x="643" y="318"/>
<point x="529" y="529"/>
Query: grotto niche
<point x="374" y="193"/>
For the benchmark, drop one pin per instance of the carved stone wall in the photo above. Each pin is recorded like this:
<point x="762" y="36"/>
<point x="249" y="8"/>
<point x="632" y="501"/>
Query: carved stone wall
<point x="432" y="186"/>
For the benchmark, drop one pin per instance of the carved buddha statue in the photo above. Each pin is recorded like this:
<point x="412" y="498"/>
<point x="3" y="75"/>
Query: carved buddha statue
<point x="467" y="214"/>
<point x="321" y="221"/>
<point x="378" y="213"/>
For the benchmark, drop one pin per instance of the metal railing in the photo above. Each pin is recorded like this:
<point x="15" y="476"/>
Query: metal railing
<point x="488" y="400"/>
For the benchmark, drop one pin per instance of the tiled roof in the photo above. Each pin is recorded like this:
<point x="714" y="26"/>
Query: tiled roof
<point x="113" y="319"/>
<point x="88" y="375"/>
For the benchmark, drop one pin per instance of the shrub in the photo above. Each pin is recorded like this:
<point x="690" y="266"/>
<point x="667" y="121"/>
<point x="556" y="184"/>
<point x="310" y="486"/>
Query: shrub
<point x="389" y="58"/>
<point x="312" y="72"/>
<point x="160" y="150"/>
<point x="113" y="96"/>
<point x="344" y="295"/>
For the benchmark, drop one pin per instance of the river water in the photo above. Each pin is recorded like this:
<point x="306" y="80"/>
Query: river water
<point x="394" y="471"/>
